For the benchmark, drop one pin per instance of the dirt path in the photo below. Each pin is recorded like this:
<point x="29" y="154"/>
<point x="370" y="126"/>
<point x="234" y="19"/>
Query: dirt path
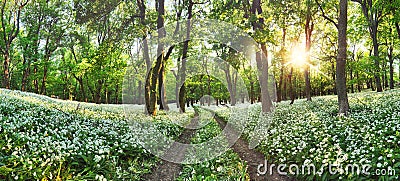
<point x="169" y="170"/>
<point x="253" y="159"/>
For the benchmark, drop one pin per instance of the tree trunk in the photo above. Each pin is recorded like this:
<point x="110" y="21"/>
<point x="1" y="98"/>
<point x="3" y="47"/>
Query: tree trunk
<point x="373" y="16"/>
<point x="177" y="84"/>
<point x="116" y="94"/>
<point x="266" y="101"/>
<point x="358" y="82"/>
<point x="279" y="93"/>
<point x="155" y="71"/>
<point x="376" y="61"/>
<point x="391" y="67"/>
<point x="140" y="99"/>
<point x="35" y="81"/>
<point x="252" y="96"/>
<point x="341" y="59"/>
<point x="184" y="57"/>
<point x="351" y="78"/>
<point x="26" y="71"/>
<point x="291" y="91"/>
<point x="142" y="11"/>
<point x="82" y="89"/>
<point x="309" y="27"/>
<point x="97" y="94"/>
<point x="161" y="88"/>
<point x="279" y="90"/>
<point x="44" y="79"/>
<point x="234" y="88"/>
<point x="230" y="78"/>
<point x="262" y="61"/>
<point x="10" y="25"/>
<point x="45" y="69"/>
<point x="6" y="70"/>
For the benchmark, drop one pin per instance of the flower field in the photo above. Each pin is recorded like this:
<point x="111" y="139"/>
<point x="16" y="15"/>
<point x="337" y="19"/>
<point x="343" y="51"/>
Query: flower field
<point x="228" y="166"/>
<point x="311" y="133"/>
<point x="48" y="139"/>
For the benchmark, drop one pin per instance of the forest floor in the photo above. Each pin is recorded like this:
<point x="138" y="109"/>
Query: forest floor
<point x="42" y="138"/>
<point x="170" y="171"/>
<point x="253" y="159"/>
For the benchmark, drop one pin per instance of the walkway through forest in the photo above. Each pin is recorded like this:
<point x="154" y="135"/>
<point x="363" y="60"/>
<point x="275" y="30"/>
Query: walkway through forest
<point x="253" y="158"/>
<point x="170" y="171"/>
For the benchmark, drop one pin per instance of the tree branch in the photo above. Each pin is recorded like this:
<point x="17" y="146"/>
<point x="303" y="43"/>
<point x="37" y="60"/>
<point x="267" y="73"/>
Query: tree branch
<point x="357" y="1"/>
<point x="326" y="17"/>
<point x="169" y="52"/>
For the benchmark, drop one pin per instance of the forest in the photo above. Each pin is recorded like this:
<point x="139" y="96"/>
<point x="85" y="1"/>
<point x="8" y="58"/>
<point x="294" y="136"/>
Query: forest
<point x="81" y="50"/>
<point x="109" y="89"/>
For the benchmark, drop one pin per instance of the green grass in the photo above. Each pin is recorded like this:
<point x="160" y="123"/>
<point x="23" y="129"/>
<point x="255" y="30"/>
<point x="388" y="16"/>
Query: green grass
<point x="313" y="133"/>
<point x="227" y="166"/>
<point x="49" y="139"/>
<point x="43" y="138"/>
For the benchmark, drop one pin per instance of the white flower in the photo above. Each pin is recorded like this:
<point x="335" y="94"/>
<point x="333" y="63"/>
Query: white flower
<point x="389" y="155"/>
<point x="379" y="165"/>
<point x="97" y="158"/>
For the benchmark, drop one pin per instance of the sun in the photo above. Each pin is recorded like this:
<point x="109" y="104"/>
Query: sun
<point x="298" y="56"/>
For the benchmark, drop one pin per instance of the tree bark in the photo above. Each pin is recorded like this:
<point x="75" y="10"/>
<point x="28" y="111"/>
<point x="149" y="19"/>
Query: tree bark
<point x="142" y="13"/>
<point x="291" y="91"/>
<point x="26" y="64"/>
<point x="341" y="59"/>
<point x="266" y="101"/>
<point x="11" y="22"/>
<point x="309" y="27"/>
<point x="161" y="88"/>
<point x="157" y="68"/>
<point x="6" y="69"/>
<point x="391" y="67"/>
<point x="262" y="61"/>
<point x="184" y="57"/>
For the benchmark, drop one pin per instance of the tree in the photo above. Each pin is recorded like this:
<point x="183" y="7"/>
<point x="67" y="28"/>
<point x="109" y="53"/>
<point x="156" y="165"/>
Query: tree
<point x="309" y="28"/>
<point x="261" y="56"/>
<point x="341" y="58"/>
<point x="153" y="78"/>
<point x="341" y="25"/>
<point x="185" y="49"/>
<point x="373" y="13"/>
<point x="52" y="32"/>
<point x="30" y="43"/>
<point x="10" y="27"/>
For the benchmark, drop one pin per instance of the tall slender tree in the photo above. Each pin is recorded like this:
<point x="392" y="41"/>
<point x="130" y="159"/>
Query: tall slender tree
<point x="341" y="58"/>
<point x="373" y="13"/>
<point x="10" y="27"/>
